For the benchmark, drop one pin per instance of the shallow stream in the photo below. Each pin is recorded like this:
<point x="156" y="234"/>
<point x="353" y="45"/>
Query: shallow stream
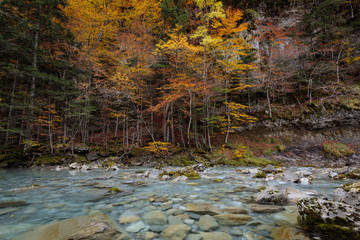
<point x="58" y="195"/>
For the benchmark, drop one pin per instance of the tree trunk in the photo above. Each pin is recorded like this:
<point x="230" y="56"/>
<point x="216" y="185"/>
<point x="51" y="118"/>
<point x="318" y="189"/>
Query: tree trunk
<point x="10" y="109"/>
<point x="268" y="101"/>
<point x="33" y="79"/>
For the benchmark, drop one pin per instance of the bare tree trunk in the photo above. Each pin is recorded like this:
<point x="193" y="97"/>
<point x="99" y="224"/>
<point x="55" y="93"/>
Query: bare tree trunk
<point x="268" y="101"/>
<point x="172" y="124"/>
<point x="190" y="118"/>
<point x="10" y="108"/>
<point x="116" y="126"/>
<point x="49" y="131"/>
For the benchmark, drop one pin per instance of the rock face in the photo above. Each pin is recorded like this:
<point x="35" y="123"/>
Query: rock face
<point x="97" y="226"/>
<point x="330" y="219"/>
<point x="175" y="232"/>
<point x="271" y="195"/>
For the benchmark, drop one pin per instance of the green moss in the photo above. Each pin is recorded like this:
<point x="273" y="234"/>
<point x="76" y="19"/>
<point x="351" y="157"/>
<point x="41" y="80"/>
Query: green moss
<point x="337" y="228"/>
<point x="280" y="147"/>
<point x="138" y="152"/>
<point x="180" y="160"/>
<point x="115" y="190"/>
<point x="9" y="160"/>
<point x="335" y="231"/>
<point x="190" y="173"/>
<point x="336" y="149"/>
<point x="48" y="160"/>
<point x="260" y="175"/>
<point x="80" y="159"/>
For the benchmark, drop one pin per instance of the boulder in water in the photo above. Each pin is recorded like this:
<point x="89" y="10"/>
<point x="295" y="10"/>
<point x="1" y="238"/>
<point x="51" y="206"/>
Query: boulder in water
<point x="330" y="219"/>
<point x="271" y="195"/>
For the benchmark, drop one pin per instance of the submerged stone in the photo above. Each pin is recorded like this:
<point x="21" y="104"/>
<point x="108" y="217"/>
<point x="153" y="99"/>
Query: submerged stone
<point x="286" y="233"/>
<point x="215" y="236"/>
<point x="12" y="204"/>
<point x="175" y="232"/>
<point x="232" y="219"/>
<point x="155" y="218"/>
<point x="267" y="208"/>
<point x="98" y="226"/>
<point x="202" y="209"/>
<point x="207" y="223"/>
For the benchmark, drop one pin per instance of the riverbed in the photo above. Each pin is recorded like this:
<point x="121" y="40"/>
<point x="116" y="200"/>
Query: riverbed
<point x="41" y="196"/>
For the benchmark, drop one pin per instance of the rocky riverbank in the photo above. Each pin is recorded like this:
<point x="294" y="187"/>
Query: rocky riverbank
<point x="201" y="203"/>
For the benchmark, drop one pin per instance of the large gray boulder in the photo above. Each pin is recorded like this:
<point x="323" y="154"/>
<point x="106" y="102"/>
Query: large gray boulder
<point x="330" y="219"/>
<point x="97" y="226"/>
<point x="271" y="195"/>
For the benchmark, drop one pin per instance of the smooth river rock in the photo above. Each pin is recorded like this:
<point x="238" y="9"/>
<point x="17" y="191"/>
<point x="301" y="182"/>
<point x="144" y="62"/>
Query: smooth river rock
<point x="287" y="233"/>
<point x="201" y="209"/>
<point x="215" y="236"/>
<point x="232" y="219"/>
<point x="207" y="223"/>
<point x="234" y="210"/>
<point x="155" y="218"/>
<point x="267" y="208"/>
<point x="97" y="226"/>
<point x="175" y="232"/>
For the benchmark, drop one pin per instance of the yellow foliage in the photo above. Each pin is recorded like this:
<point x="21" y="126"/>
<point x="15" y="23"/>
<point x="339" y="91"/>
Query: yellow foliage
<point x="161" y="148"/>
<point x="240" y="152"/>
<point x="30" y="143"/>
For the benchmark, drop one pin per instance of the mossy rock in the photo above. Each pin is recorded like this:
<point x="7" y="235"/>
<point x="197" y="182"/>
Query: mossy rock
<point x="114" y="190"/>
<point x="189" y="173"/>
<point x="48" y="160"/>
<point x="328" y="219"/>
<point x="180" y="160"/>
<point x="260" y="175"/>
<point x="9" y="160"/>
<point x="80" y="159"/>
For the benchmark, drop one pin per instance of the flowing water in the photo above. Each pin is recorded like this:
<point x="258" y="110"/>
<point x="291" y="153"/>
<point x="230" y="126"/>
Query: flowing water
<point x="58" y="195"/>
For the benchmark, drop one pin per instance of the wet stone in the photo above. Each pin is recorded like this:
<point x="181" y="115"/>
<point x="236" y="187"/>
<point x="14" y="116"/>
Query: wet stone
<point x="215" y="236"/>
<point x="154" y="218"/>
<point x="232" y="219"/>
<point x="267" y="208"/>
<point x="129" y="219"/>
<point x="207" y="223"/>
<point x="12" y="204"/>
<point x="175" y="232"/>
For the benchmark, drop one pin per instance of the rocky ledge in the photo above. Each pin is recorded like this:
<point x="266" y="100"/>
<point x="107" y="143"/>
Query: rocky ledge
<point x="333" y="219"/>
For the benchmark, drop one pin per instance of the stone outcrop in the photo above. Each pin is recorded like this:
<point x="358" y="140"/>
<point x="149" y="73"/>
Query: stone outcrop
<point x="330" y="219"/>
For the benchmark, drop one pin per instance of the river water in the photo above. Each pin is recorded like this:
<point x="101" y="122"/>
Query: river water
<point x="59" y="195"/>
